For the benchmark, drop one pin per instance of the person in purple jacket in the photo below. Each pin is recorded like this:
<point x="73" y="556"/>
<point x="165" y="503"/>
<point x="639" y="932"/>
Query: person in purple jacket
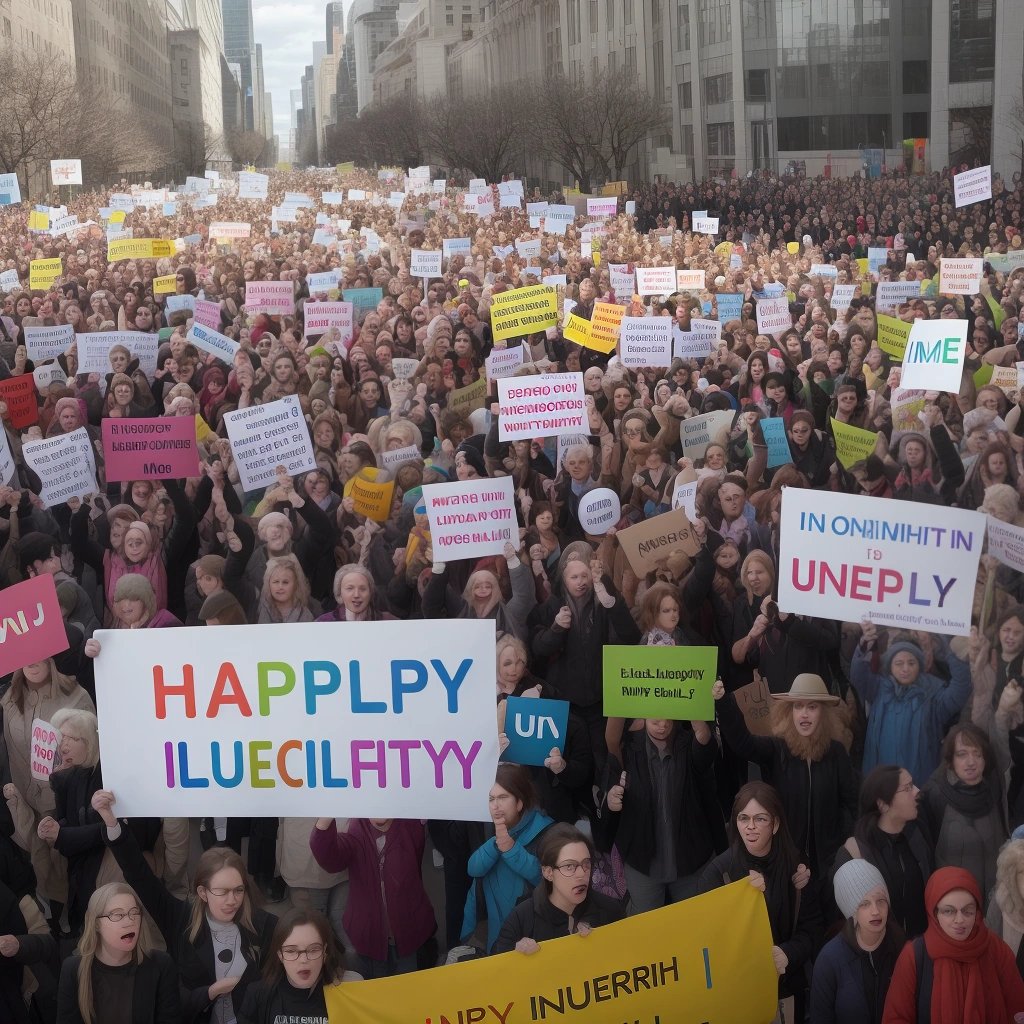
<point x="388" y="917"/>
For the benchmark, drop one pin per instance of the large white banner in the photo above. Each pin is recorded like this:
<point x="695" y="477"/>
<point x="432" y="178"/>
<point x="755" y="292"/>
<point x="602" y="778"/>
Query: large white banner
<point x="899" y="563"/>
<point x="357" y="719"/>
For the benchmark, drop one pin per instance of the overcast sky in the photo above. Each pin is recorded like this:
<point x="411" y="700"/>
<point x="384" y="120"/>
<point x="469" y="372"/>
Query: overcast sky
<point x="287" y="32"/>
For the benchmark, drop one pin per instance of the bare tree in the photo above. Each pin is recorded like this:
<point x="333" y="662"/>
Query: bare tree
<point x="631" y="115"/>
<point x="391" y="132"/>
<point x="970" y="136"/>
<point x="249" y="147"/>
<point x="196" y="146"/>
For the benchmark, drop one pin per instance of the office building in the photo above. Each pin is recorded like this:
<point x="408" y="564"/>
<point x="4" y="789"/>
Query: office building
<point x="334" y="30"/>
<point x="240" y="49"/>
<point x="27" y="26"/>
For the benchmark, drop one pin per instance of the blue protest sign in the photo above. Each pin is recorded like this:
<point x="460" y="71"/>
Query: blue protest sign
<point x="730" y="304"/>
<point x="533" y="726"/>
<point x="774" y="430"/>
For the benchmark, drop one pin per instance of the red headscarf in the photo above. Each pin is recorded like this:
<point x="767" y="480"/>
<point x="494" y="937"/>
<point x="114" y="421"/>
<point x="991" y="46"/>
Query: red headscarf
<point x="967" y="986"/>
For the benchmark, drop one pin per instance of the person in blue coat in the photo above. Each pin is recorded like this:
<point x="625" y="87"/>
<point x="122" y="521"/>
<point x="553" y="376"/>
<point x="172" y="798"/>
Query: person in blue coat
<point x="853" y="970"/>
<point x="506" y="866"/>
<point x="910" y="708"/>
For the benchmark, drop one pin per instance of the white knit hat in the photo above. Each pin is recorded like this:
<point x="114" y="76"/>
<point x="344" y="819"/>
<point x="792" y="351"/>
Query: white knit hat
<point x="853" y="881"/>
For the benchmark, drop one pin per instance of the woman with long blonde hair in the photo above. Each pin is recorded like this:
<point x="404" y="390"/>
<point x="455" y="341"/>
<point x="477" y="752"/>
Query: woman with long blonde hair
<point x="115" y="974"/>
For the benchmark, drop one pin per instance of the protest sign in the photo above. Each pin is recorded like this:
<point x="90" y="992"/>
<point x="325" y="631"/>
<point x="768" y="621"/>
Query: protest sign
<point x="139" y="249"/>
<point x="893" y="336"/>
<point x="699" y="342"/>
<point x="602" y="206"/>
<point x="974" y="186"/>
<point x="392" y="458"/>
<point x="9" y="280"/>
<point x="264" y="437"/>
<point x="622" y="279"/>
<point x="252" y="185"/>
<point x="372" y="494"/>
<point x="65" y="465"/>
<point x="19" y="395"/>
<point x="456" y="247"/>
<point x="523" y="311"/>
<point x="754" y="703"/>
<point x="466" y="399"/>
<point x="774" y="430"/>
<point x="363" y="300"/>
<point x="700" y="431"/>
<point x="645" y="341"/>
<point x="207" y="314"/>
<point x="730" y="306"/>
<point x="605" y="322"/>
<point x="934" y="358"/>
<point x="877" y="257"/>
<point x="284" y="725"/>
<point x="319" y="317"/>
<point x="649" y="543"/>
<point x="42" y="343"/>
<point x="44" y="750"/>
<point x="471" y="518"/>
<point x="690" y="281"/>
<point x="38" y="220"/>
<point x="906" y="404"/>
<point x="960" y="276"/>
<point x="502" y="362"/>
<point x="844" y="556"/>
<point x="94" y="350"/>
<point x="217" y="344"/>
<point x="660" y="682"/>
<point x="599" y="510"/>
<point x="528" y="248"/>
<point x="332" y="198"/>
<point x="538" y="406"/>
<point x="31" y="627"/>
<point x="42" y="273"/>
<point x="705" y="225"/>
<point x="773" y="316"/>
<point x="66" y="172"/>
<point x="164" y="285"/>
<point x="320" y="284"/>
<point x="46" y="374"/>
<point x="424" y="263"/>
<point x="273" y="297"/>
<point x="577" y="330"/>
<point x="534" y="727"/>
<point x="655" y="280"/>
<point x="710" y="954"/>
<point x="10" y="189"/>
<point x="824" y="270"/>
<point x="891" y="294"/>
<point x="155" y="448"/>
<point x="1006" y="542"/>
<point x="853" y="444"/>
<point x="230" y="229"/>
<point x="175" y="302"/>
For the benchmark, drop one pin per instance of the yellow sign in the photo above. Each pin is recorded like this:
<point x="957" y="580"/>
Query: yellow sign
<point x="163" y="285"/>
<point x="605" y="324"/>
<point x="523" y="311"/>
<point x="615" y="188"/>
<point x="893" y="335"/>
<point x="38" y="221"/>
<point x="372" y="499"/>
<point x="793" y="248"/>
<point x="42" y="273"/>
<point x="863" y="265"/>
<point x="283" y="165"/>
<point x="852" y="443"/>
<point x="705" y="959"/>
<point x="117" y="216"/>
<point x="472" y="396"/>
<point x="346" y="168"/>
<point x="577" y="330"/>
<point x="138" y="249"/>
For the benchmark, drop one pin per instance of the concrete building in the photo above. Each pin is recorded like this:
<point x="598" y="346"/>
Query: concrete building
<point x="295" y="103"/>
<point x="231" y="96"/>
<point x="259" y="89"/>
<point x="325" y="83"/>
<point x="39" y="28"/>
<point x="373" y="25"/>
<point x="240" y="49"/>
<point x="334" y="29"/>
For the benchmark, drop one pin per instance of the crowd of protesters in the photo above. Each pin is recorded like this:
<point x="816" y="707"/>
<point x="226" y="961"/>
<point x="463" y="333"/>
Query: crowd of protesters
<point x="881" y="818"/>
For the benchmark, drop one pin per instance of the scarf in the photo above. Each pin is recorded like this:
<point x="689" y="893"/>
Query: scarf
<point x="778" y="888"/>
<point x="971" y="801"/>
<point x="966" y="987"/>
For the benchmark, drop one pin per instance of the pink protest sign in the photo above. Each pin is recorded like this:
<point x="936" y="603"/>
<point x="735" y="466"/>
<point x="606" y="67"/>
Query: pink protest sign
<point x="44" y="755"/>
<point x="31" y="628"/>
<point x="150" y="449"/>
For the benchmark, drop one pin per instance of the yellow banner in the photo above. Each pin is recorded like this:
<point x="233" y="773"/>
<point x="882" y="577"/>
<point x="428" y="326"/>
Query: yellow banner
<point x="615" y="188"/>
<point x="38" y="221"/>
<point x="372" y="499"/>
<point x="472" y="396"/>
<point x="163" y="285"/>
<point x="42" y="273"/>
<point x="705" y="959"/>
<point x="863" y="265"/>
<point x="577" y="330"/>
<point x="523" y="311"/>
<point x="605" y="325"/>
<point x="893" y="335"/>
<point x="139" y="249"/>
<point x="346" y="168"/>
<point x="852" y="443"/>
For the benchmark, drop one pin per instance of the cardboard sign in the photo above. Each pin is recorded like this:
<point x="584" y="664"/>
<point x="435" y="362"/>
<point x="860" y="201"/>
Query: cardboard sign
<point x="65" y="465"/>
<point x="773" y="316"/>
<point x="660" y="682"/>
<point x="319" y="317"/>
<point x="602" y="206"/>
<point x="371" y="494"/>
<point x="424" y="263"/>
<point x="502" y="362"/>
<point x="774" y="430"/>
<point x="230" y="229"/>
<point x="893" y="336"/>
<point x="139" y="249"/>
<point x="646" y="341"/>
<point x="42" y="343"/>
<point x="692" y="281"/>
<point x="539" y="406"/>
<point x="934" y="358"/>
<point x="853" y="444"/>
<point x="394" y="458"/>
<point x="207" y="314"/>
<point x="842" y="296"/>
<point x="264" y="437"/>
<point x="843" y="556"/>
<point x="157" y="448"/>
<point x="44" y="751"/>
<point x="42" y="273"/>
<point x="655" y="280"/>
<point x="175" y="302"/>
<point x="700" y="431"/>
<point x="730" y="306"/>
<point x="534" y="727"/>
<point x="824" y="270"/>
<point x="217" y="344"/>
<point x="647" y="544"/>
<point x="19" y="395"/>
<point x="274" y="297"/>
<point x="321" y="284"/>
<point x="66" y="172"/>
<point x="286" y="724"/>
<point x="960" y="276"/>
<point x="622" y="279"/>
<point x="605" y="325"/>
<point x="31" y="627"/>
<point x="10" y="189"/>
<point x="471" y="518"/>
<point x="877" y="257"/>
<point x="165" y="285"/>
<point x="974" y="186"/>
<point x="705" y="225"/>
<point x="599" y="511"/>
<point x="523" y="311"/>
<point x="468" y="399"/>
<point x="754" y="701"/>
<point x="456" y="247"/>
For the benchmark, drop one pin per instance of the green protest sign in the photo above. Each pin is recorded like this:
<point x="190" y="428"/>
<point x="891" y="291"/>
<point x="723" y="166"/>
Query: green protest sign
<point x="660" y="682"/>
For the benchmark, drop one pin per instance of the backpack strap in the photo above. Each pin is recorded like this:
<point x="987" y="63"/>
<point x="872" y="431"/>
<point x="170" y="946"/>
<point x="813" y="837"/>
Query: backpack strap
<point x="852" y="848"/>
<point x="925" y="971"/>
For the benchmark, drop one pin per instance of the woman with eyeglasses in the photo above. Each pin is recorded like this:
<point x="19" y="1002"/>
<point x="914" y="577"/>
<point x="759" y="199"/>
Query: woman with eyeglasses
<point x="218" y="939"/>
<point x="303" y="961"/>
<point x="958" y="972"/>
<point x="564" y="903"/>
<point x="116" y="974"/>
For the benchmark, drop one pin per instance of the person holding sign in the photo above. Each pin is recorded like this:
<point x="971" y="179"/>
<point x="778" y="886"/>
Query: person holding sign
<point x="564" y="903"/>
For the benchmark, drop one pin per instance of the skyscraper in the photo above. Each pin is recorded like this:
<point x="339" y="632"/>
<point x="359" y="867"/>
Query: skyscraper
<point x="335" y="27"/>
<point x="240" y="49"/>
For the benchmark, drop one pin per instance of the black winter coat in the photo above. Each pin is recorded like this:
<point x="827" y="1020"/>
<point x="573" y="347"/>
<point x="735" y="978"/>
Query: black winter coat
<point x="537" y="918"/>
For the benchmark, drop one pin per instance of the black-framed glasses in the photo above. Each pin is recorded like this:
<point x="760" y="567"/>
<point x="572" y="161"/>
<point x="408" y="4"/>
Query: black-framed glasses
<point x="309" y="953"/>
<point x="119" y="915"/>
<point x="570" y="867"/>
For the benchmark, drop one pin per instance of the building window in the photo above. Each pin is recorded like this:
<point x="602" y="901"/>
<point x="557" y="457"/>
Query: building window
<point x="631" y="59"/>
<point x="718" y="89"/>
<point x="609" y="13"/>
<point x="593" y="16"/>
<point x="686" y="139"/>
<point x="685" y="95"/>
<point x="793" y="85"/>
<point x="683" y="27"/>
<point x="715" y="20"/>
<point x="721" y="139"/>
<point x="758" y="85"/>
<point x="916" y="79"/>
<point x="915" y="125"/>
<point x="627" y="12"/>
<point x="972" y="41"/>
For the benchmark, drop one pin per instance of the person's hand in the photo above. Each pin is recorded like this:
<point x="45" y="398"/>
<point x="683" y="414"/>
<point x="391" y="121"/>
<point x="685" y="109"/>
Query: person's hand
<point x="930" y="416"/>
<point x="503" y="742"/>
<point x="527" y="945"/>
<point x="9" y="945"/>
<point x="536" y="553"/>
<point x="92" y="648"/>
<point x="1010" y="697"/>
<point x="222" y="987"/>
<point x="501" y="837"/>
<point x="554" y="762"/>
<point x="756" y="879"/>
<point x="759" y="627"/>
<point x="700" y="529"/>
<point x="47" y="830"/>
<point x="11" y="792"/>
<point x="718" y="690"/>
<point x="869" y="633"/>
<point x="781" y="960"/>
<point x="638" y="480"/>
<point x="801" y="876"/>
<point x="583" y="929"/>
<point x="532" y="693"/>
<point x="103" y="804"/>
<point x="323" y="823"/>
<point x="564" y="617"/>
<point x="616" y="793"/>
<point x="511" y="554"/>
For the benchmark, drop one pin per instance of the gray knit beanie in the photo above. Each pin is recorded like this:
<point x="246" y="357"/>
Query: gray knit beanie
<point x="853" y="881"/>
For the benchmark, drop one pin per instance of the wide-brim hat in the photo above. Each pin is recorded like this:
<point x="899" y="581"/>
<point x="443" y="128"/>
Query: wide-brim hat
<point x="808" y="686"/>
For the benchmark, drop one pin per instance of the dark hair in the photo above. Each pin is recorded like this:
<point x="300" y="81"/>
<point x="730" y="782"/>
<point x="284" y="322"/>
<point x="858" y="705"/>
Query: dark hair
<point x="537" y="508"/>
<point x="333" y="962"/>
<point x="557" y="837"/>
<point x="971" y="736"/>
<point x="515" y="780"/>
<point x="880" y="784"/>
<point x="768" y="797"/>
<point x="1014" y="612"/>
<point x="35" y="547"/>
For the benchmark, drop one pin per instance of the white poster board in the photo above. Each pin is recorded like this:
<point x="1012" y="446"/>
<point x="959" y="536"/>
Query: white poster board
<point x="471" y="518"/>
<point x="264" y="437"/>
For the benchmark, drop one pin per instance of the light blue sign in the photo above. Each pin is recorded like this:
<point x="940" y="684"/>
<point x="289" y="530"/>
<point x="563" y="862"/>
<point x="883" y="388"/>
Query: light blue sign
<point x="877" y="258"/>
<point x="730" y="305"/>
<point x="363" y="300"/>
<point x="774" y="430"/>
<point x="534" y="726"/>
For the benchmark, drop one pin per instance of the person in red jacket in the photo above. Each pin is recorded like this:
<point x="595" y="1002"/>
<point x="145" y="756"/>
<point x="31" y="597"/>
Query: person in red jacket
<point x="388" y="917"/>
<point x="958" y="972"/>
